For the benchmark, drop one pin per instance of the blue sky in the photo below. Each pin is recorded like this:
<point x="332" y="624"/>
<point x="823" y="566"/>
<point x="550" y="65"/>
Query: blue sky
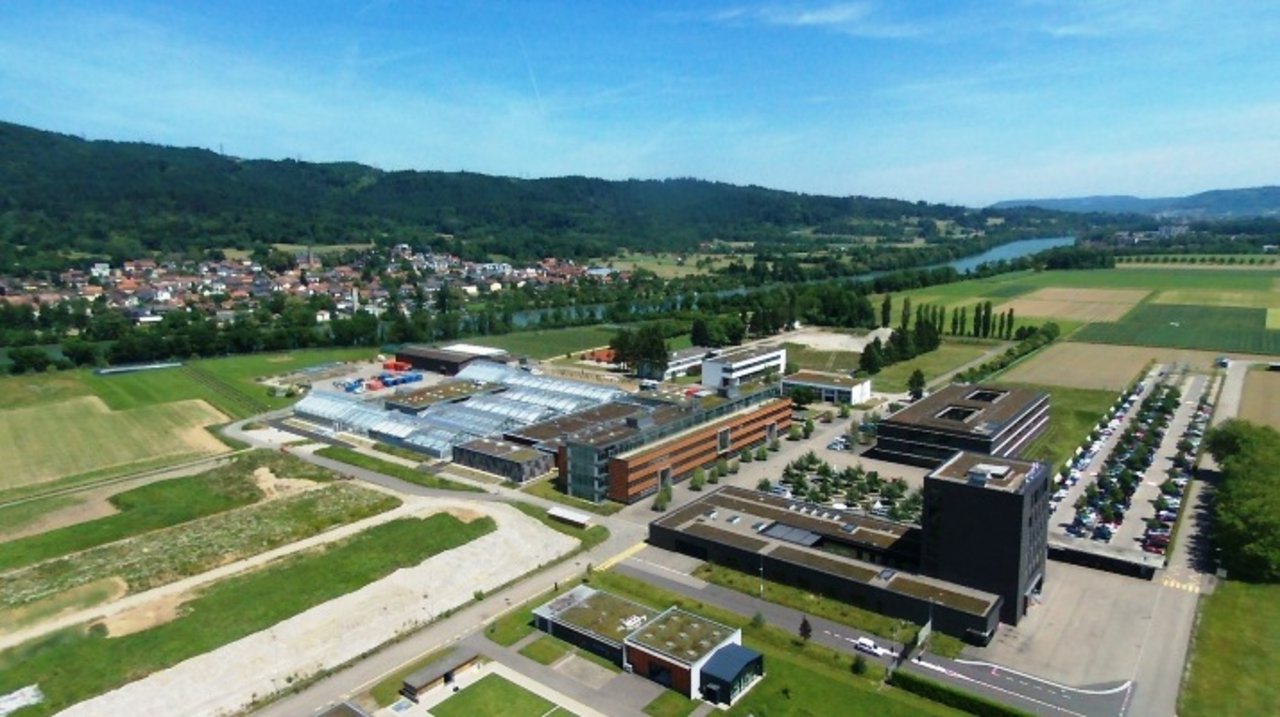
<point x="966" y="102"/>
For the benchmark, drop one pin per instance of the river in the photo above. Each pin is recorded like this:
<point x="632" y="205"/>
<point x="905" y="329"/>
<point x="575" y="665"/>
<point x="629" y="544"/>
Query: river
<point x="1011" y="250"/>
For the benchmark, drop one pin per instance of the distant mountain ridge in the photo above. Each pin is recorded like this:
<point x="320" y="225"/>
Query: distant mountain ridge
<point x="1213" y="204"/>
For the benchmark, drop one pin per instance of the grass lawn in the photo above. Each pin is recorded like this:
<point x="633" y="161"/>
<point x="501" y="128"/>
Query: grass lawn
<point x="494" y="695"/>
<point x="511" y="627"/>
<point x="405" y="473"/>
<point x="1073" y="413"/>
<point x="546" y="650"/>
<point x="1220" y="328"/>
<point x="153" y="506"/>
<point x="589" y="537"/>
<point x="808" y="358"/>
<point x="76" y="664"/>
<point x="671" y="704"/>
<point x="833" y="610"/>
<point x="388" y="690"/>
<point x="950" y="355"/>
<point x="547" y="343"/>
<point x="1236" y="653"/>
<point x="547" y="489"/>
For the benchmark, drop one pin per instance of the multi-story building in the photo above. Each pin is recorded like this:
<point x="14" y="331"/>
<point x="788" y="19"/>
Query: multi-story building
<point x="996" y="420"/>
<point x="986" y="525"/>
<point x="736" y="367"/>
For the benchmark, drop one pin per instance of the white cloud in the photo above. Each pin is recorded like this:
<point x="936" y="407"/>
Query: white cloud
<point x="858" y="19"/>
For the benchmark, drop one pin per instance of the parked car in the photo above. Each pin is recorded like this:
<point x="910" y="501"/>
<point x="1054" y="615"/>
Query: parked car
<point x="867" y="645"/>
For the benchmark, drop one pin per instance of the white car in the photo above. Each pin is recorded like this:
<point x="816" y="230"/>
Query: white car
<point x="867" y="645"/>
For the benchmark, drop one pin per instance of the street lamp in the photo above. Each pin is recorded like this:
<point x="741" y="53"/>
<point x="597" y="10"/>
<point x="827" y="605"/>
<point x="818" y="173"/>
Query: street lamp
<point x="761" y="576"/>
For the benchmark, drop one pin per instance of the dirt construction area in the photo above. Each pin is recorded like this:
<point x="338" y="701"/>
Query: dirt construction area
<point x="1099" y="366"/>
<point x="102" y="438"/>
<point x="227" y="679"/>
<point x="1261" y="401"/>
<point x="1076" y="304"/>
<point x="820" y="340"/>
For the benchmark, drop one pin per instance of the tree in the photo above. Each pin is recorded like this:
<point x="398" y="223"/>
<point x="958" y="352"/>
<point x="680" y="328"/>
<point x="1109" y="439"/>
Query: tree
<point x="762" y="454"/>
<point x="698" y="480"/>
<point x="699" y="333"/>
<point x="757" y="620"/>
<point x="808" y="427"/>
<point x="806" y="630"/>
<point x="859" y="665"/>
<point x="906" y="313"/>
<point x="916" y="384"/>
<point x="871" y="360"/>
<point x="886" y="311"/>
<point x="1008" y="324"/>
<point x="802" y="396"/>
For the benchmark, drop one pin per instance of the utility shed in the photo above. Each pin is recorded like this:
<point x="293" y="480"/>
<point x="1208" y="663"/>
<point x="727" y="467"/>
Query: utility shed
<point x="729" y="672"/>
<point x="440" y="672"/>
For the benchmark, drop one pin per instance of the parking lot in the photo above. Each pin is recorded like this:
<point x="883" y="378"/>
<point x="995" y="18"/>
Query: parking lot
<point x="1130" y="521"/>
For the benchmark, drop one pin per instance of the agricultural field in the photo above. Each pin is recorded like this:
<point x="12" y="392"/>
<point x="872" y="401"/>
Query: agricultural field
<point x="548" y="343"/>
<point x="1189" y="327"/>
<point x="669" y="266"/>
<point x="1235" y="654"/>
<point x="949" y="356"/>
<point x="82" y="435"/>
<point x="1208" y="297"/>
<point x="1084" y="305"/>
<point x="1261" y="399"/>
<point x="1273" y="319"/>
<point x="79" y="663"/>
<point x="1098" y="366"/>
<point x="1073" y="412"/>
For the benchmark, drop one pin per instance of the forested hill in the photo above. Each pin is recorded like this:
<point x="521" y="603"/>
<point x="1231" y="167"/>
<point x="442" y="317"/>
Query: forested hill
<point x="1215" y="204"/>
<point x="61" y="194"/>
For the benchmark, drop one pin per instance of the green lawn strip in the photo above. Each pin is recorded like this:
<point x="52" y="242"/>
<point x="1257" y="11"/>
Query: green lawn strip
<point x="547" y="489"/>
<point x="826" y="608"/>
<point x="799" y="663"/>
<point x="405" y="473"/>
<point x="1235" y="655"/>
<point x="950" y="355"/>
<point x="153" y="506"/>
<point x="548" y="343"/>
<point x="510" y="628"/>
<point x="75" y="664"/>
<point x="21" y="515"/>
<point x="388" y="689"/>
<point x="671" y="704"/>
<point x="494" y="695"/>
<point x="162" y="556"/>
<point x="817" y="360"/>
<point x="589" y="537"/>
<point x="1073" y="413"/>
<point x="33" y="390"/>
<point x="546" y="650"/>
<point x="102" y="474"/>
<point x="398" y="452"/>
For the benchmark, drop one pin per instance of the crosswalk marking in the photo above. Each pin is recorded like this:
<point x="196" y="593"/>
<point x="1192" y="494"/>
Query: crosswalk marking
<point x="1191" y="587"/>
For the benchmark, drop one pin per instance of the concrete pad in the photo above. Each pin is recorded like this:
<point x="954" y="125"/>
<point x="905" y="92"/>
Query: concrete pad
<point x="585" y="671"/>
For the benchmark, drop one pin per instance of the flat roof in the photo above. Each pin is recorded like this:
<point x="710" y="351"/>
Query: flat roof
<point x="474" y="350"/>
<point x="747" y="353"/>
<point x="429" y="352"/>
<point x="435" y="670"/>
<point x="822" y="378"/>
<point x="745" y="519"/>
<point x="980" y="410"/>
<point x="563" y="426"/>
<point x="499" y="448"/>
<point x="681" y="635"/>
<point x="448" y="391"/>
<point x="751" y="408"/>
<point x="991" y="472"/>
<point x="600" y="614"/>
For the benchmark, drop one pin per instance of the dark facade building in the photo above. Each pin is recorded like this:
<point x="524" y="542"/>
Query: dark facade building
<point x="512" y="461"/>
<point x="445" y="360"/>
<point x="680" y="650"/>
<point x="986" y="525"/>
<point x="866" y="562"/>
<point x="995" y="420"/>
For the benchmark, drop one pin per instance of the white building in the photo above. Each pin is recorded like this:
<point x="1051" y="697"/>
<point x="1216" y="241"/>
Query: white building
<point x="734" y="367"/>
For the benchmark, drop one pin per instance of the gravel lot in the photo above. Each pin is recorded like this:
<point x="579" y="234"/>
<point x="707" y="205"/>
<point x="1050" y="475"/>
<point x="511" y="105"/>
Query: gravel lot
<point x="225" y="680"/>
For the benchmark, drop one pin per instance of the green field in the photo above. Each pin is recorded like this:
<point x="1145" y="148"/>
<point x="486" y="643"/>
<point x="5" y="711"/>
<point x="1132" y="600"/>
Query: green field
<point x="547" y="489"/>
<point x="546" y="650"/>
<point x="589" y="537"/>
<point x="1236" y="653"/>
<point x="153" y="506"/>
<point x="806" y="358"/>
<point x="1073" y="413"/>
<point x="76" y="664"/>
<point x="21" y="515"/>
<point x="950" y="355"/>
<point x="671" y="704"/>
<point x="404" y="473"/>
<point x="1189" y="327"/>
<point x="494" y="695"/>
<point x="82" y="436"/>
<point x="548" y="343"/>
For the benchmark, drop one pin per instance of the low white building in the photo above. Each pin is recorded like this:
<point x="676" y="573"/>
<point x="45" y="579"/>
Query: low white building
<point x="736" y="366"/>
